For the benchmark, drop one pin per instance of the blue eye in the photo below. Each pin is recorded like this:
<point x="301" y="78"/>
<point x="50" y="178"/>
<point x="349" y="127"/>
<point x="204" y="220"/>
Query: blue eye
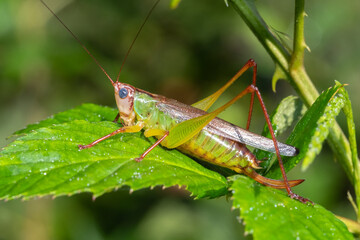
<point x="123" y="93"/>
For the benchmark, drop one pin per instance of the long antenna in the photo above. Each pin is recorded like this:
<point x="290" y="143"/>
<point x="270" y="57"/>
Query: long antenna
<point x="136" y="36"/>
<point x="88" y="52"/>
<point x="78" y="40"/>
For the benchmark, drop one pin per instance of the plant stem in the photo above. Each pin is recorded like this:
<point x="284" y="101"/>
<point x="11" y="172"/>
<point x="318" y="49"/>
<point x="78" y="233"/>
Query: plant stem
<point x="297" y="57"/>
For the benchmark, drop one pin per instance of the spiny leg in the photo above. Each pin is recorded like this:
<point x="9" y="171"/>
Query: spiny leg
<point x="267" y="118"/>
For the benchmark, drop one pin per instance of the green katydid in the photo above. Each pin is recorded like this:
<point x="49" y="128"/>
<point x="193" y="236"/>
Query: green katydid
<point x="194" y="131"/>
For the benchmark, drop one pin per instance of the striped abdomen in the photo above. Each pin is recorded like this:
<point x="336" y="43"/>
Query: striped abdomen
<point x="220" y="151"/>
<point x="230" y="154"/>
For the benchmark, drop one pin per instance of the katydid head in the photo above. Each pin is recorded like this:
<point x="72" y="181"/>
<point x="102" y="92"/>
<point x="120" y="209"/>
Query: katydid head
<point x="124" y="96"/>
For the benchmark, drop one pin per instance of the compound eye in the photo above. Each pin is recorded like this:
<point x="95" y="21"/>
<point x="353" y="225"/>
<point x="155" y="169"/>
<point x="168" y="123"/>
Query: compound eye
<point x="123" y="93"/>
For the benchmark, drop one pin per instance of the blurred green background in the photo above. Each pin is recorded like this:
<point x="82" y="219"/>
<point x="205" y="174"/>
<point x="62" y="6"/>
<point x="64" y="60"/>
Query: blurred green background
<point x="184" y="54"/>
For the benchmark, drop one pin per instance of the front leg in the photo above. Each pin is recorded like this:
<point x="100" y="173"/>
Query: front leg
<point x="135" y="128"/>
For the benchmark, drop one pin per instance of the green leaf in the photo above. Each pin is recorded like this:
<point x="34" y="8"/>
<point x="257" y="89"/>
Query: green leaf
<point x="354" y="153"/>
<point x="47" y="161"/>
<point x="269" y="214"/>
<point x="311" y="131"/>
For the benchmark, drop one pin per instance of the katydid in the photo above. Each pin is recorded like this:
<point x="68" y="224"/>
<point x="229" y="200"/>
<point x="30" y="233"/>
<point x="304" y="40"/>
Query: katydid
<point x="193" y="130"/>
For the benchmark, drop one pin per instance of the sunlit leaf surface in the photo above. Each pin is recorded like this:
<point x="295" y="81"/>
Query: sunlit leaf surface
<point x="47" y="161"/>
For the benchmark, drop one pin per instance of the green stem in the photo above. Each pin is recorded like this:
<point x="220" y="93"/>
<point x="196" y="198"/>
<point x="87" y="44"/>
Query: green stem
<point x="297" y="57"/>
<point x="292" y="65"/>
<point x="247" y="10"/>
<point x="296" y="69"/>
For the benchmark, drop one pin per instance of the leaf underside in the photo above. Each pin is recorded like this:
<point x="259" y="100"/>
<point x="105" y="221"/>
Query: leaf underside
<point x="312" y="130"/>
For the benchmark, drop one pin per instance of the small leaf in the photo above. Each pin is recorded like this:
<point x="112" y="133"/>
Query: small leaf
<point x="47" y="161"/>
<point x="311" y="131"/>
<point x="323" y="125"/>
<point x="354" y="153"/>
<point x="269" y="214"/>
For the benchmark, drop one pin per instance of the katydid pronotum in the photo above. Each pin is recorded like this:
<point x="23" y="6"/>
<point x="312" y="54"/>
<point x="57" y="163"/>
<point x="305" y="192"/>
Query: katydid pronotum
<point x="193" y="130"/>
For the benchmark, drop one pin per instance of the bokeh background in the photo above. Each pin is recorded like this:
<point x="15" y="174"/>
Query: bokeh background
<point x="184" y="54"/>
